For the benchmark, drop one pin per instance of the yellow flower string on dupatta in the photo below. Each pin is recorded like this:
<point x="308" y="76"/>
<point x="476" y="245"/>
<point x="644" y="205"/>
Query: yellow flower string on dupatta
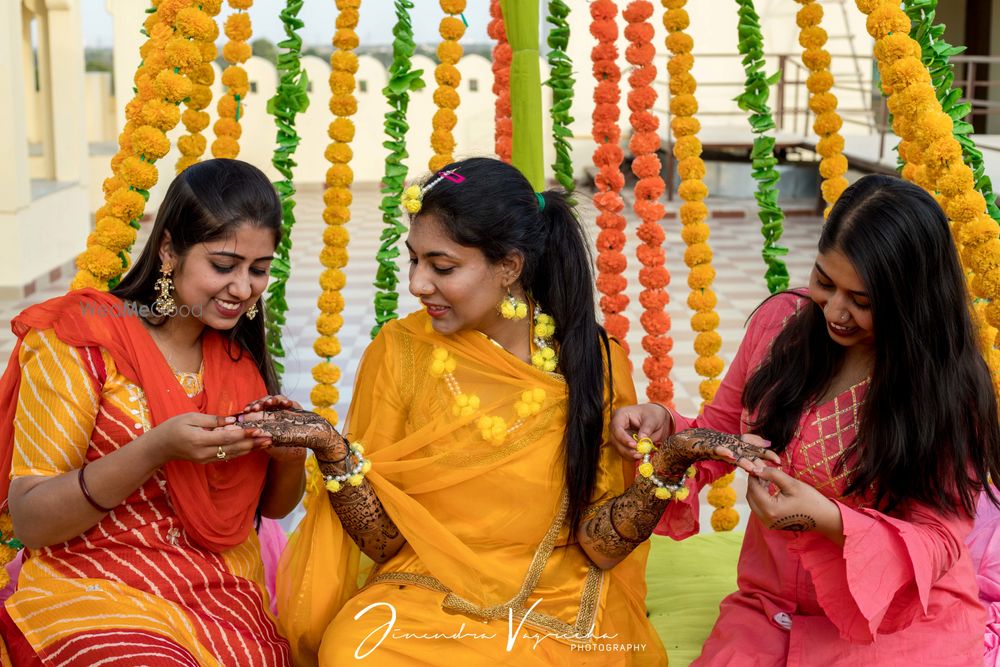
<point x="448" y="79"/>
<point x="162" y="82"/>
<point x="822" y="102"/>
<point x="201" y="28"/>
<point x="494" y="429"/>
<point x="933" y="160"/>
<point x="337" y="213"/>
<point x="230" y="108"/>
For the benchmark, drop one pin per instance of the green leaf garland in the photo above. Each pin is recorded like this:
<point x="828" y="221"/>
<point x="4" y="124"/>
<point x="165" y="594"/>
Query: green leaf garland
<point x="290" y="99"/>
<point x="763" y="162"/>
<point x="561" y="82"/>
<point x="402" y="80"/>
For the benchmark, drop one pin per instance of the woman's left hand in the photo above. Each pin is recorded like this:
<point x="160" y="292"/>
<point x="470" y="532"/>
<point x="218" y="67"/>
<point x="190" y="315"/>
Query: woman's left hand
<point x="796" y="506"/>
<point x="271" y="402"/>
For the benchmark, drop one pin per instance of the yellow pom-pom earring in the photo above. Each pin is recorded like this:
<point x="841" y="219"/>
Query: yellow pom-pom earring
<point x="512" y="308"/>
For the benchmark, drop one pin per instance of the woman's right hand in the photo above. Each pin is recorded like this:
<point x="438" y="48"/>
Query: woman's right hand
<point x="648" y="420"/>
<point x="201" y="438"/>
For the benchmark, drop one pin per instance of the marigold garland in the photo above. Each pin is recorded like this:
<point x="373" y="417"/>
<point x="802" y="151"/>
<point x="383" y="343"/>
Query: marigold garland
<point x="230" y="108"/>
<point x="754" y="100"/>
<point x="448" y="78"/>
<point x="197" y="53"/>
<point x="290" y="98"/>
<point x="502" y="56"/>
<point x="822" y="102"/>
<point x="694" y="212"/>
<point x="337" y="213"/>
<point x="162" y="81"/>
<point x="402" y="80"/>
<point x="608" y="156"/>
<point x="648" y="190"/>
<point x="934" y="157"/>
<point x="561" y="82"/>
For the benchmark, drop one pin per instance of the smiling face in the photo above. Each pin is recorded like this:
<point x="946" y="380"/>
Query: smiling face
<point x="221" y="279"/>
<point x="457" y="285"/>
<point x="836" y="288"/>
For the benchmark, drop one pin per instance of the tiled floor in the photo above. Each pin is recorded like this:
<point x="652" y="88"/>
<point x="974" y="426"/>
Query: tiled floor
<point x="735" y="240"/>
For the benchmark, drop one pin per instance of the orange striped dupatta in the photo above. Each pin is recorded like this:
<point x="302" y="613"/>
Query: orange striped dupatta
<point x="215" y="503"/>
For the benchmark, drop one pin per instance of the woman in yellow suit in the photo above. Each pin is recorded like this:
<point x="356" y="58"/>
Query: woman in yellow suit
<point x="503" y="528"/>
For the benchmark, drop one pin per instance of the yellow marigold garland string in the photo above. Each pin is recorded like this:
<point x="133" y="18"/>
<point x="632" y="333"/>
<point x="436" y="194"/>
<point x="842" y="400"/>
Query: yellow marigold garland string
<point x="933" y="159"/>
<point x="822" y="102"/>
<point x="338" y="198"/>
<point x="161" y="84"/>
<point x="448" y="79"/>
<point x="230" y="108"/>
<point x="202" y="33"/>
<point x="695" y="230"/>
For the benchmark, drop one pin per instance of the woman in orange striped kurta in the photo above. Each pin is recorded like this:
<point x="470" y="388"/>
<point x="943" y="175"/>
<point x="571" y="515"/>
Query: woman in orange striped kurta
<point x="130" y="484"/>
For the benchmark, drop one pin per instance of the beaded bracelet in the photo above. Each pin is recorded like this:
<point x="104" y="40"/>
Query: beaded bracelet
<point x="354" y="475"/>
<point x="664" y="490"/>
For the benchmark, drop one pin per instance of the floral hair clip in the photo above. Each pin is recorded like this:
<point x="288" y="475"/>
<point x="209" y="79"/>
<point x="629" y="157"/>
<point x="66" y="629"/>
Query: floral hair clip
<point x="413" y="196"/>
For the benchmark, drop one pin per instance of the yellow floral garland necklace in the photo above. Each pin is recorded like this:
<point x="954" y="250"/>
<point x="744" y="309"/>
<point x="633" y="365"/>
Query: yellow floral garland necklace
<point x="493" y="428"/>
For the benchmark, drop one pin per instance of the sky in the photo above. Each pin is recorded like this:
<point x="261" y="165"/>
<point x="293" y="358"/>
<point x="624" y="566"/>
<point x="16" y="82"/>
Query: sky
<point x="375" y="27"/>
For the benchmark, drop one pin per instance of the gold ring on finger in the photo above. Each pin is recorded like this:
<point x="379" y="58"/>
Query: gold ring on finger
<point x="221" y="454"/>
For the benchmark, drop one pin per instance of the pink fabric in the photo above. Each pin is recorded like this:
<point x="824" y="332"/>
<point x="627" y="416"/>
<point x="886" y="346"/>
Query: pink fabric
<point x="901" y="590"/>
<point x="984" y="546"/>
<point x="272" y="542"/>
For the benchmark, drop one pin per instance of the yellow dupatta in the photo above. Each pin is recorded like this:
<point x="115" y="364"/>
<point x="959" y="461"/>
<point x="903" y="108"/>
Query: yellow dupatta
<point x="482" y="515"/>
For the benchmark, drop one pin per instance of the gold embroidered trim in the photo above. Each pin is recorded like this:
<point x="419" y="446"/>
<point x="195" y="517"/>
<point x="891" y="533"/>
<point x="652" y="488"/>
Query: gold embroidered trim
<point x="580" y="632"/>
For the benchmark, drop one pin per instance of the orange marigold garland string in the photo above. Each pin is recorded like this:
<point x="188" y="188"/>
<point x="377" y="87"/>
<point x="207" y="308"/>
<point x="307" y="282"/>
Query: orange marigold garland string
<point x="337" y="214"/>
<point x="608" y="156"/>
<point x="933" y="157"/>
<point x="695" y="231"/>
<point x="502" y="56"/>
<point x="230" y="108"/>
<point x="822" y="102"/>
<point x="448" y="79"/>
<point x="160" y="85"/>
<point x="646" y="166"/>
<point x="202" y="30"/>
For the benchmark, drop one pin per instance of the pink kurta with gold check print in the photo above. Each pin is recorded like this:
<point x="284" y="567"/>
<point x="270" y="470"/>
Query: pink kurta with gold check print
<point x="901" y="590"/>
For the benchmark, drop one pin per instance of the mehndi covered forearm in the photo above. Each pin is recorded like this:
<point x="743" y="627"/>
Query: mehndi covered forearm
<point x="624" y="522"/>
<point x="363" y="517"/>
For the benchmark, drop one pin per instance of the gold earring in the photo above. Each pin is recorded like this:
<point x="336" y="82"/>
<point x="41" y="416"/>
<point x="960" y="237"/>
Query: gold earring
<point x="164" y="304"/>
<point x="252" y="312"/>
<point x="512" y="308"/>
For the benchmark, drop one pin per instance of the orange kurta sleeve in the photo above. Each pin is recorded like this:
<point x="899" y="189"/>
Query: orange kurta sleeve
<point x="56" y="407"/>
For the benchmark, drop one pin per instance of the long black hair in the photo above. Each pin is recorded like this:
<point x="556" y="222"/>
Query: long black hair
<point x="207" y="202"/>
<point x="928" y="429"/>
<point x="496" y="210"/>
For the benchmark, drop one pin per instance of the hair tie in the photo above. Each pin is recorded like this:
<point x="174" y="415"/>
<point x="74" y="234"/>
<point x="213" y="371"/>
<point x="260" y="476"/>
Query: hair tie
<point x="541" y="201"/>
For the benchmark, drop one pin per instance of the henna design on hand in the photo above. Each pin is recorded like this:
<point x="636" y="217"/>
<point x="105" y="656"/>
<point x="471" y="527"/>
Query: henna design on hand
<point x="364" y="518"/>
<point x="625" y="522"/>
<point x="794" y="522"/>
<point x="672" y="459"/>
<point x="299" y="428"/>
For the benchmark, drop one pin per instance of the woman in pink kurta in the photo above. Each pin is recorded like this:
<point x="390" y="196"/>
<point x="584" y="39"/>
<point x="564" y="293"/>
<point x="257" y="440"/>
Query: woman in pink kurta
<point x="855" y="553"/>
